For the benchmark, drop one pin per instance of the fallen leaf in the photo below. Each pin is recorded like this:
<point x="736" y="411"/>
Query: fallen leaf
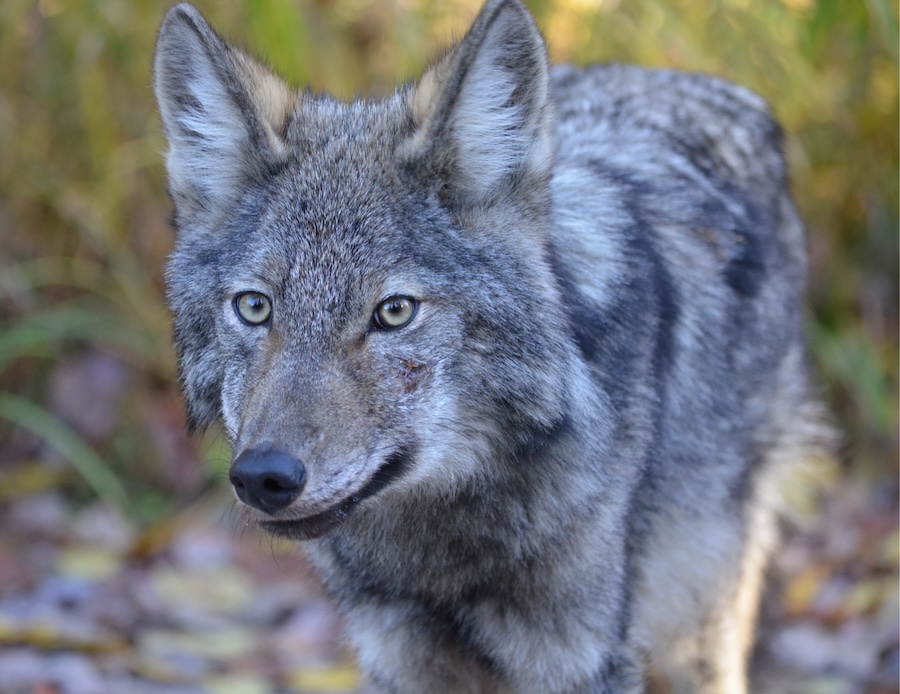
<point x="802" y="589"/>
<point x="219" y="591"/>
<point x="236" y="685"/>
<point x="324" y="680"/>
<point x="223" y="644"/>
<point x="94" y="563"/>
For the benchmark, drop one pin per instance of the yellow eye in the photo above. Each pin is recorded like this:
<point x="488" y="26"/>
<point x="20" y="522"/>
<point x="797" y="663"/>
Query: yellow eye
<point x="395" y="312"/>
<point x="253" y="308"/>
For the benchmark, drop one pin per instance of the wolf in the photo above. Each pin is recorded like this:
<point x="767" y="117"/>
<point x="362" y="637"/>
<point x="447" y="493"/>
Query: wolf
<point x="516" y="352"/>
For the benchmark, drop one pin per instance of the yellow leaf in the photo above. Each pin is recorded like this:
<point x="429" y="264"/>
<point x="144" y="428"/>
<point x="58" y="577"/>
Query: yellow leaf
<point x="219" y="590"/>
<point x="890" y="548"/>
<point x="866" y="595"/>
<point x="29" y="478"/>
<point x="93" y="563"/>
<point x="324" y="680"/>
<point x="801" y="590"/>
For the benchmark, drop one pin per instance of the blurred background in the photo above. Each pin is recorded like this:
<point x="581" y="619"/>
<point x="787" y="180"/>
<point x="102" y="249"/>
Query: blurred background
<point x="105" y="499"/>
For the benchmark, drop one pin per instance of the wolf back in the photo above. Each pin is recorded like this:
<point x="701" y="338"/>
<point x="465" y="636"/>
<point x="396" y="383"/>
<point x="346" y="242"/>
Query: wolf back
<point x="516" y="352"/>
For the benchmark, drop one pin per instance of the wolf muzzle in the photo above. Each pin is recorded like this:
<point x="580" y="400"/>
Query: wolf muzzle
<point x="267" y="479"/>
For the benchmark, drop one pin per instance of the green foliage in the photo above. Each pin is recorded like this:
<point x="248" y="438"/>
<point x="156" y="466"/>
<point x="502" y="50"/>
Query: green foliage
<point x="95" y="472"/>
<point x="83" y="212"/>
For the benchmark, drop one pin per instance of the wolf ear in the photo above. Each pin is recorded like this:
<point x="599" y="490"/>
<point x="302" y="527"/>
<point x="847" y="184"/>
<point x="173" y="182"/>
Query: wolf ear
<point x="481" y="114"/>
<point x="223" y="114"/>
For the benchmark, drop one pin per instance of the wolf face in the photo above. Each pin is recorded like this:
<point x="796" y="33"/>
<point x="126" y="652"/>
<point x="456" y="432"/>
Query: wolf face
<point x="371" y="236"/>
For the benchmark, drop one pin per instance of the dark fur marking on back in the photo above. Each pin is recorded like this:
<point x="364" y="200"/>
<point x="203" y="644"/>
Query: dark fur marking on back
<point x="585" y="321"/>
<point x="746" y="270"/>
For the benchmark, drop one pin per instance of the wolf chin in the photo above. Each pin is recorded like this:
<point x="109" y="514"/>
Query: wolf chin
<point x="516" y="352"/>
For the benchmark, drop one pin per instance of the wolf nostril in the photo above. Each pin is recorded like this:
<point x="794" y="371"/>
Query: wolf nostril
<point x="267" y="479"/>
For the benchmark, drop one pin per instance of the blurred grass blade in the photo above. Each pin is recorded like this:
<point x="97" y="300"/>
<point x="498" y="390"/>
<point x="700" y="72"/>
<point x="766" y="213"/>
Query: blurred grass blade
<point x="87" y="463"/>
<point x="884" y="18"/>
<point x="79" y="320"/>
<point x="23" y="341"/>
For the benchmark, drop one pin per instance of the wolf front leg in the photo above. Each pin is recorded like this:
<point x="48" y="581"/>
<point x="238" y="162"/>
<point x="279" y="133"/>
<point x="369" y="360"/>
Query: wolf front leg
<point x="405" y="648"/>
<point x="700" y="629"/>
<point x="401" y="649"/>
<point x="724" y="645"/>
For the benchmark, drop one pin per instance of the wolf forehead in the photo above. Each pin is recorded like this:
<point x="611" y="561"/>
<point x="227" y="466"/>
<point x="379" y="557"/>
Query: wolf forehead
<point x="346" y="195"/>
<point x="325" y="137"/>
<point x="339" y="160"/>
<point x="336" y="180"/>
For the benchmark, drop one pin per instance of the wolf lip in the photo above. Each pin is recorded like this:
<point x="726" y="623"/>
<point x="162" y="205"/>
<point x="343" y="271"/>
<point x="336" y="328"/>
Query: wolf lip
<point x="312" y="526"/>
<point x="323" y="523"/>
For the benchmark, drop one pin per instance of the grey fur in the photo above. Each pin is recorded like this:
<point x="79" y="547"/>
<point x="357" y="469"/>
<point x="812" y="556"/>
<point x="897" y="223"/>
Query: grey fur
<point x="561" y="474"/>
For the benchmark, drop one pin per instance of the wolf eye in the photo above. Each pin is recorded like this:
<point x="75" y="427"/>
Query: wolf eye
<point x="252" y="308"/>
<point x="395" y="312"/>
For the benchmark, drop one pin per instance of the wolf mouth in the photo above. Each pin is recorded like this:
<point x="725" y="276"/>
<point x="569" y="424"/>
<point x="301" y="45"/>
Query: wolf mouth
<point x="322" y="523"/>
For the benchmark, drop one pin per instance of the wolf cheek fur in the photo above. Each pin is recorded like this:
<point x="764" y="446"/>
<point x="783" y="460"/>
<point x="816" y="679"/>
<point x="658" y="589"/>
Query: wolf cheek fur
<point x="517" y="351"/>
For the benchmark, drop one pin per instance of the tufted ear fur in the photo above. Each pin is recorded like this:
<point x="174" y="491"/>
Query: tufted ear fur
<point x="482" y="118"/>
<point x="223" y="114"/>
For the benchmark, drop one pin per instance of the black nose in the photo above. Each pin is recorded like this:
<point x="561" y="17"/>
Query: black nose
<point x="267" y="479"/>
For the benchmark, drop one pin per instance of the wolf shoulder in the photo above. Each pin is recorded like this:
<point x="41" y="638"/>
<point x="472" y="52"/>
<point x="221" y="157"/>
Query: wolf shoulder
<point x="690" y="165"/>
<point x="647" y="122"/>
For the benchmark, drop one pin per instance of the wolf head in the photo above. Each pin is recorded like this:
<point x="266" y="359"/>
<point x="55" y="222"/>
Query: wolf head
<point x="361" y="290"/>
